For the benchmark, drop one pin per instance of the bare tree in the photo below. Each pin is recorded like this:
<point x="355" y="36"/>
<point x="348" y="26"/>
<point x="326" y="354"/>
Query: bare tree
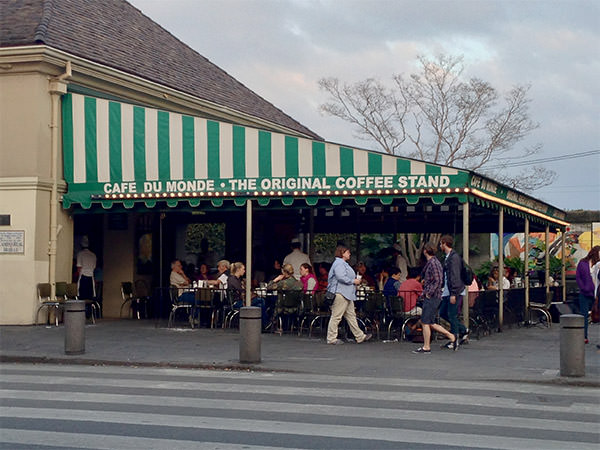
<point x="438" y="116"/>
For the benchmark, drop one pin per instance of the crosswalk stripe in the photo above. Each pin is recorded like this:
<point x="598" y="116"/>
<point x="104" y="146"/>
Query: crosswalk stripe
<point x="295" y="428"/>
<point x="104" y="442"/>
<point x="310" y="409"/>
<point x="329" y="392"/>
<point x="313" y="379"/>
<point x="65" y="406"/>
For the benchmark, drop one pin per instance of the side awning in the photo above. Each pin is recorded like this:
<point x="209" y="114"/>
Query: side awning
<point x="118" y="152"/>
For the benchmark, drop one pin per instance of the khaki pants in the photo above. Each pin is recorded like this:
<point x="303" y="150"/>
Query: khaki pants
<point x="343" y="308"/>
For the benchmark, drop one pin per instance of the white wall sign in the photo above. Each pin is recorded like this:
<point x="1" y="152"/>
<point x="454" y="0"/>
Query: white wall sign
<point x="12" y="242"/>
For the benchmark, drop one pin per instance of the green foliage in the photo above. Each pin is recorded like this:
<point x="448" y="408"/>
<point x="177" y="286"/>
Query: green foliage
<point x="483" y="272"/>
<point x="515" y="263"/>
<point x="214" y="233"/>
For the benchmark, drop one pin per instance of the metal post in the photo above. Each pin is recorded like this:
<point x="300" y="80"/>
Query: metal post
<point x="501" y="267"/>
<point x="465" y="305"/>
<point x="572" y="347"/>
<point x="249" y="253"/>
<point x="526" y="269"/>
<point x="563" y="269"/>
<point x="547" y="260"/>
<point x="311" y="233"/>
<point x="74" y="327"/>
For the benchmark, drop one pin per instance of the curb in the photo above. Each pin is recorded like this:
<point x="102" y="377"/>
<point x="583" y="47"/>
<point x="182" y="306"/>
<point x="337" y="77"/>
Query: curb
<point x="558" y="381"/>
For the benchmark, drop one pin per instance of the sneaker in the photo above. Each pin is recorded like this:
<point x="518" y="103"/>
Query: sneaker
<point x="367" y="338"/>
<point x="587" y="341"/>
<point x="421" y="350"/>
<point x="449" y="345"/>
<point x="336" y="342"/>
<point x="464" y="339"/>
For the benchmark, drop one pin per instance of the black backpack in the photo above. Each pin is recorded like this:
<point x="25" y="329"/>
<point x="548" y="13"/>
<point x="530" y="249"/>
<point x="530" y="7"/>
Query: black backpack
<point x="466" y="274"/>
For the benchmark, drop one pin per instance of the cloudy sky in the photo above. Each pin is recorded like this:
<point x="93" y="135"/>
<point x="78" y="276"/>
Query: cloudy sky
<point x="281" y="48"/>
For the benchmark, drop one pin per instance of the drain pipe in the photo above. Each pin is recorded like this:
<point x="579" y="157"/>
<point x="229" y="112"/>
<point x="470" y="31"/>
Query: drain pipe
<point x="57" y="88"/>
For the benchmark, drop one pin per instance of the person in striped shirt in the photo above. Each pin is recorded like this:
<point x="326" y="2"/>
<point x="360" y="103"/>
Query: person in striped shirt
<point x="433" y="281"/>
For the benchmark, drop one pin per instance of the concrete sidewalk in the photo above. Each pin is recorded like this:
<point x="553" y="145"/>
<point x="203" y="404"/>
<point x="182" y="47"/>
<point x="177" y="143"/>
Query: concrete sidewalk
<point x="520" y="354"/>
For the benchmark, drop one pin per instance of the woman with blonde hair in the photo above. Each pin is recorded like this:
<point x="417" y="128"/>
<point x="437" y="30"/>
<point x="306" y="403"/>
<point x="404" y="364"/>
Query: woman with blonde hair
<point x="342" y="282"/>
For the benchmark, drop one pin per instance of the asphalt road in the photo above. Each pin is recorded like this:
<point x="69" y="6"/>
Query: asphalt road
<point x="47" y="406"/>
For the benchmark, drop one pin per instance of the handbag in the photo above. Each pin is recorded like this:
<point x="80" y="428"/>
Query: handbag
<point x="595" y="312"/>
<point x="329" y="298"/>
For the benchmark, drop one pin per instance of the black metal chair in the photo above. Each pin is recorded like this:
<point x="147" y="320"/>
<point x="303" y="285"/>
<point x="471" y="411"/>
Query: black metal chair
<point x="71" y="294"/>
<point x="178" y="304"/>
<point x="44" y="297"/>
<point x="288" y="308"/>
<point x="321" y="312"/>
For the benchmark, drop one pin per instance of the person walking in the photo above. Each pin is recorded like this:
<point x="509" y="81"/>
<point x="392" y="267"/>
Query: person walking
<point x="433" y="281"/>
<point x="342" y="282"/>
<point x="453" y="289"/>
<point x="585" y="282"/>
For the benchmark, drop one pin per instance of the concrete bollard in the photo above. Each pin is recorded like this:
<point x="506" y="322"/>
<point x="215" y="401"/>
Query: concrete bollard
<point x="250" y="329"/>
<point x="572" y="346"/>
<point x="74" y="327"/>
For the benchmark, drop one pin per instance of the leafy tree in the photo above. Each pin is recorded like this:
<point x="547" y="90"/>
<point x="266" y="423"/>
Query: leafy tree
<point x="440" y="117"/>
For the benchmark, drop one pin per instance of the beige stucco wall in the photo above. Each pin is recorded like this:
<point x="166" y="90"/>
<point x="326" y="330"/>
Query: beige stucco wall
<point x="25" y="188"/>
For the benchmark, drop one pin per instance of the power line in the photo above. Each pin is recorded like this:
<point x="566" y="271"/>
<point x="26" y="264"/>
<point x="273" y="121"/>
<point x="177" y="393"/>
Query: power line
<point x="544" y="160"/>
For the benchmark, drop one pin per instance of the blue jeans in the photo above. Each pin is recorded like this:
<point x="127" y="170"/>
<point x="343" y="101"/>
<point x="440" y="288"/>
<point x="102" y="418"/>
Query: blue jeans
<point x="585" y="304"/>
<point x="256" y="301"/>
<point x="449" y="312"/>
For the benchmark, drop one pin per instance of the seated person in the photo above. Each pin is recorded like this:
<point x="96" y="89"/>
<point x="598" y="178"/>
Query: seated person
<point x="411" y="290"/>
<point x="180" y="280"/>
<point x="367" y="279"/>
<point x="392" y="285"/>
<point x="323" y="276"/>
<point x="222" y="275"/>
<point x="308" y="278"/>
<point x="285" y="281"/>
<point x="382" y="278"/>
<point x="237" y="290"/>
<point x="494" y="280"/>
<point x="201" y="273"/>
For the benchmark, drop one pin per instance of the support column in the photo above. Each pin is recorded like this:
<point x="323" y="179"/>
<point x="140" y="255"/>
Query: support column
<point x="248" y="252"/>
<point x="465" y="232"/>
<point x="526" y="269"/>
<point x="501" y="268"/>
<point x="57" y="88"/>
<point x="563" y="269"/>
<point x="547" y="261"/>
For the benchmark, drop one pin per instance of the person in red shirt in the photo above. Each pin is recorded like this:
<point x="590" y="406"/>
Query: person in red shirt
<point x="410" y="291"/>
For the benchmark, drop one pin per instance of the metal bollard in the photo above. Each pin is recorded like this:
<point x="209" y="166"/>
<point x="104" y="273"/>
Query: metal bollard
<point x="250" y="337"/>
<point x="74" y="327"/>
<point x="572" y="346"/>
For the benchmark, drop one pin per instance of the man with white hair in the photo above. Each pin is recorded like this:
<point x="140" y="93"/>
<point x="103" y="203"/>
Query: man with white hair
<point x="296" y="258"/>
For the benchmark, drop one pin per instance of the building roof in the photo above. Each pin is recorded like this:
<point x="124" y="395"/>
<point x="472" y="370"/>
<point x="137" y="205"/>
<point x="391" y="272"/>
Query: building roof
<point x="116" y="34"/>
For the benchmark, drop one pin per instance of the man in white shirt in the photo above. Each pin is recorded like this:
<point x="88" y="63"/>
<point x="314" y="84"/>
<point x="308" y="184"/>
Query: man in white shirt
<point x="296" y="258"/>
<point x="86" y="263"/>
<point x="401" y="263"/>
<point x="223" y="269"/>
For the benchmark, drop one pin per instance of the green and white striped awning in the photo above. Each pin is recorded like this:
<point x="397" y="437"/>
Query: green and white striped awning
<point x="120" y="152"/>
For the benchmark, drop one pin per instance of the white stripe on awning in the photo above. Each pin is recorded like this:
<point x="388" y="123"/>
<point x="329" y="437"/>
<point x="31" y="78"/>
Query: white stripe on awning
<point x="151" y="144"/>
<point x="175" y="147"/>
<point x="127" y="142"/>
